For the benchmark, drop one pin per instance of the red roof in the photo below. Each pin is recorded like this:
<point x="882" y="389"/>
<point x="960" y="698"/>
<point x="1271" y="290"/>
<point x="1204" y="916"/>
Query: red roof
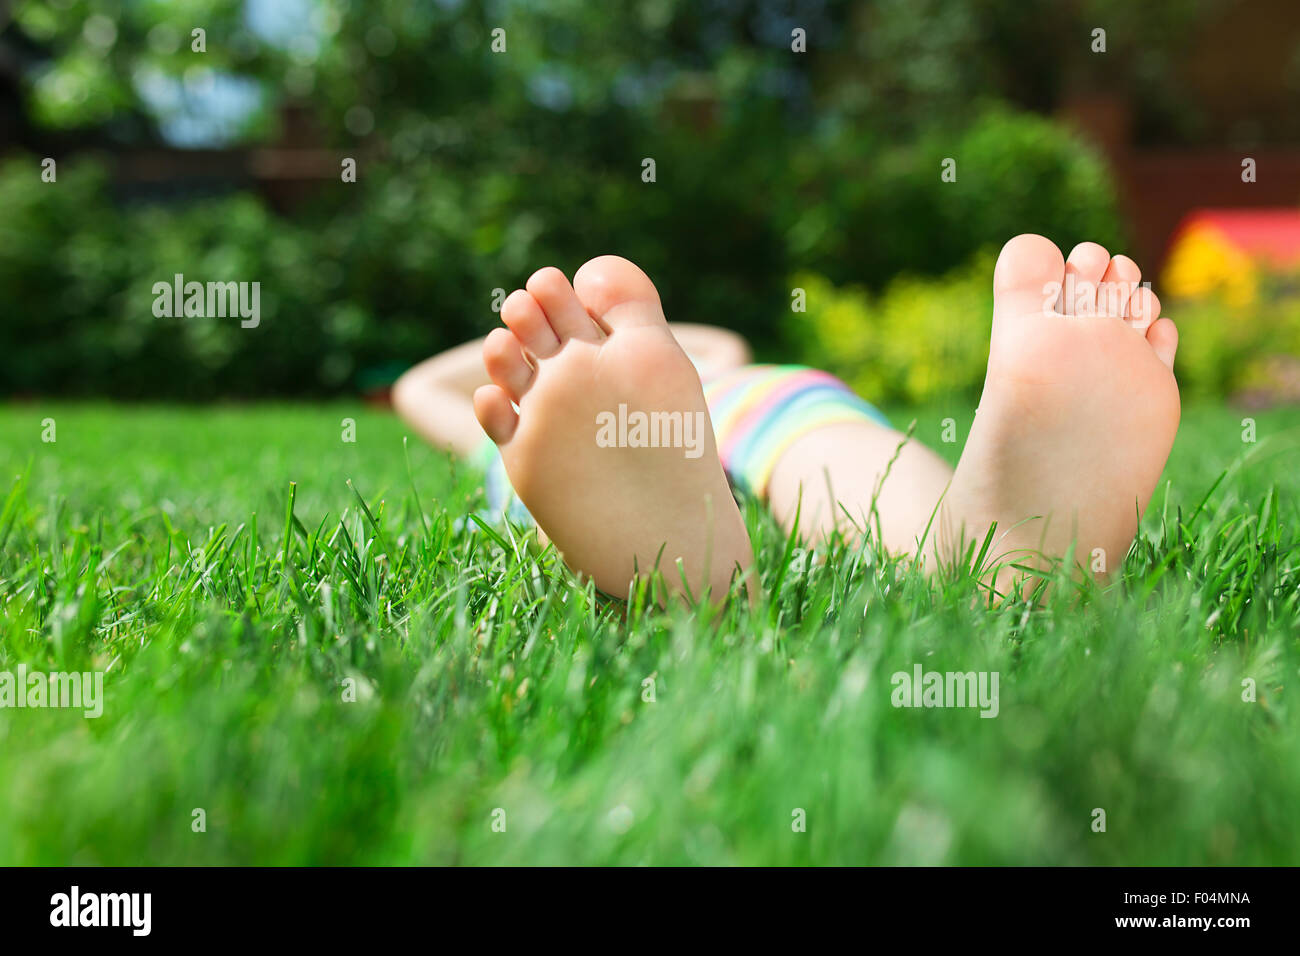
<point x="1269" y="234"/>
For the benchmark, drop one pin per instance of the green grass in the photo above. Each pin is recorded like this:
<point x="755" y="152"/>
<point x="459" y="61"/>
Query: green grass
<point x="151" y="543"/>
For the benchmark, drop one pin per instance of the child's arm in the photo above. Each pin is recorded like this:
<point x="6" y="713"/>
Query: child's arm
<point x="711" y="347"/>
<point x="436" y="397"/>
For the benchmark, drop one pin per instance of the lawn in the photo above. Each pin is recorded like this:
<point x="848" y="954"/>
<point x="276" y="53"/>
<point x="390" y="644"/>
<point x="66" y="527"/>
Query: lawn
<point x="399" y="686"/>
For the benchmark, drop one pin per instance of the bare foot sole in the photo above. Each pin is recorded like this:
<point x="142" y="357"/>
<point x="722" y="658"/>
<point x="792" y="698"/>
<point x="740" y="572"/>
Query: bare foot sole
<point x="1078" y="414"/>
<point x="611" y="447"/>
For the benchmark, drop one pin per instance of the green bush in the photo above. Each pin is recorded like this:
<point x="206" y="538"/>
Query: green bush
<point x="63" y="260"/>
<point x="918" y="340"/>
<point x="863" y="208"/>
<point x="922" y="339"/>
<point x="377" y="274"/>
<point x="479" y="166"/>
<point x="1227" y="349"/>
<point x="78" y="273"/>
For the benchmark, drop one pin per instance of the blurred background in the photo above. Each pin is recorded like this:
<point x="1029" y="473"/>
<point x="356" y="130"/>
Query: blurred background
<point x="797" y="145"/>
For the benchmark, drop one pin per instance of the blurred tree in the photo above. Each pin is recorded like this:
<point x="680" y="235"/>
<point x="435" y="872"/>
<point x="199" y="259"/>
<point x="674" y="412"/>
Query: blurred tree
<point x="493" y="137"/>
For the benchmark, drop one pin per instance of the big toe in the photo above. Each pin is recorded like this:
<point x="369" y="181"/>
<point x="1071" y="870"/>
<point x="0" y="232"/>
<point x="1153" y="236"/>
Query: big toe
<point x="1028" y="275"/>
<point x="618" y="294"/>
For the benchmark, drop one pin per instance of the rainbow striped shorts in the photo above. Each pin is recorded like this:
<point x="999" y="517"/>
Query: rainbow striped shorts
<point x="758" y="412"/>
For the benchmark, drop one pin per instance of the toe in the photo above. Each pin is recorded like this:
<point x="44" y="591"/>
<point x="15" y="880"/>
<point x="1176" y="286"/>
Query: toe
<point x="494" y="412"/>
<point x="1117" y="287"/>
<point x="617" y="293"/>
<point x="505" y="362"/>
<point x="563" y="310"/>
<point x="1028" y="275"/>
<point x="527" y="321"/>
<point x="1084" y="267"/>
<point x="1143" y="309"/>
<point x="1163" y="336"/>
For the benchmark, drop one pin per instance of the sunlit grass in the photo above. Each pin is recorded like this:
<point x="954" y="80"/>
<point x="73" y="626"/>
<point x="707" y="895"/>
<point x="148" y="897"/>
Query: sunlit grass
<point x="490" y="687"/>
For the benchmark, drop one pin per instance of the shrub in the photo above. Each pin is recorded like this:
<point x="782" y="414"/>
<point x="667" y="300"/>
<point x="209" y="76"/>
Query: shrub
<point x="863" y="209"/>
<point x="919" y="340"/>
<point x="923" y="339"/>
<point x="1228" y="346"/>
<point x="381" y="273"/>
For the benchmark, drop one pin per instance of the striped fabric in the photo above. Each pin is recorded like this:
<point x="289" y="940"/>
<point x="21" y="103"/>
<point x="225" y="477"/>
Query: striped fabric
<point x="758" y="411"/>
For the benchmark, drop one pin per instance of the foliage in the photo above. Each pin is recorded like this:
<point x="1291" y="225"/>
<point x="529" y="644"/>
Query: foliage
<point x="1227" y="349"/>
<point x="919" y="340"/>
<point x="406" y="261"/>
<point x="1238" y="318"/>
<point x="864" y="209"/>
<point x="476" y="167"/>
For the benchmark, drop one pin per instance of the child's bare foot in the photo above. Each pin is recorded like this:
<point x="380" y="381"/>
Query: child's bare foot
<point x="589" y="366"/>
<point x="1078" y="413"/>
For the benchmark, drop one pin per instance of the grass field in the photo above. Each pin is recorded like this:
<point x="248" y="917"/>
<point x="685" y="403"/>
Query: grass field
<point x="502" y="714"/>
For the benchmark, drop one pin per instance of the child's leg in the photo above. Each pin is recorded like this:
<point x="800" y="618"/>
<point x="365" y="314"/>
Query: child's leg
<point x="802" y="441"/>
<point x="1079" y="409"/>
<point x="831" y="474"/>
<point x="601" y="422"/>
<point x="1075" y="424"/>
